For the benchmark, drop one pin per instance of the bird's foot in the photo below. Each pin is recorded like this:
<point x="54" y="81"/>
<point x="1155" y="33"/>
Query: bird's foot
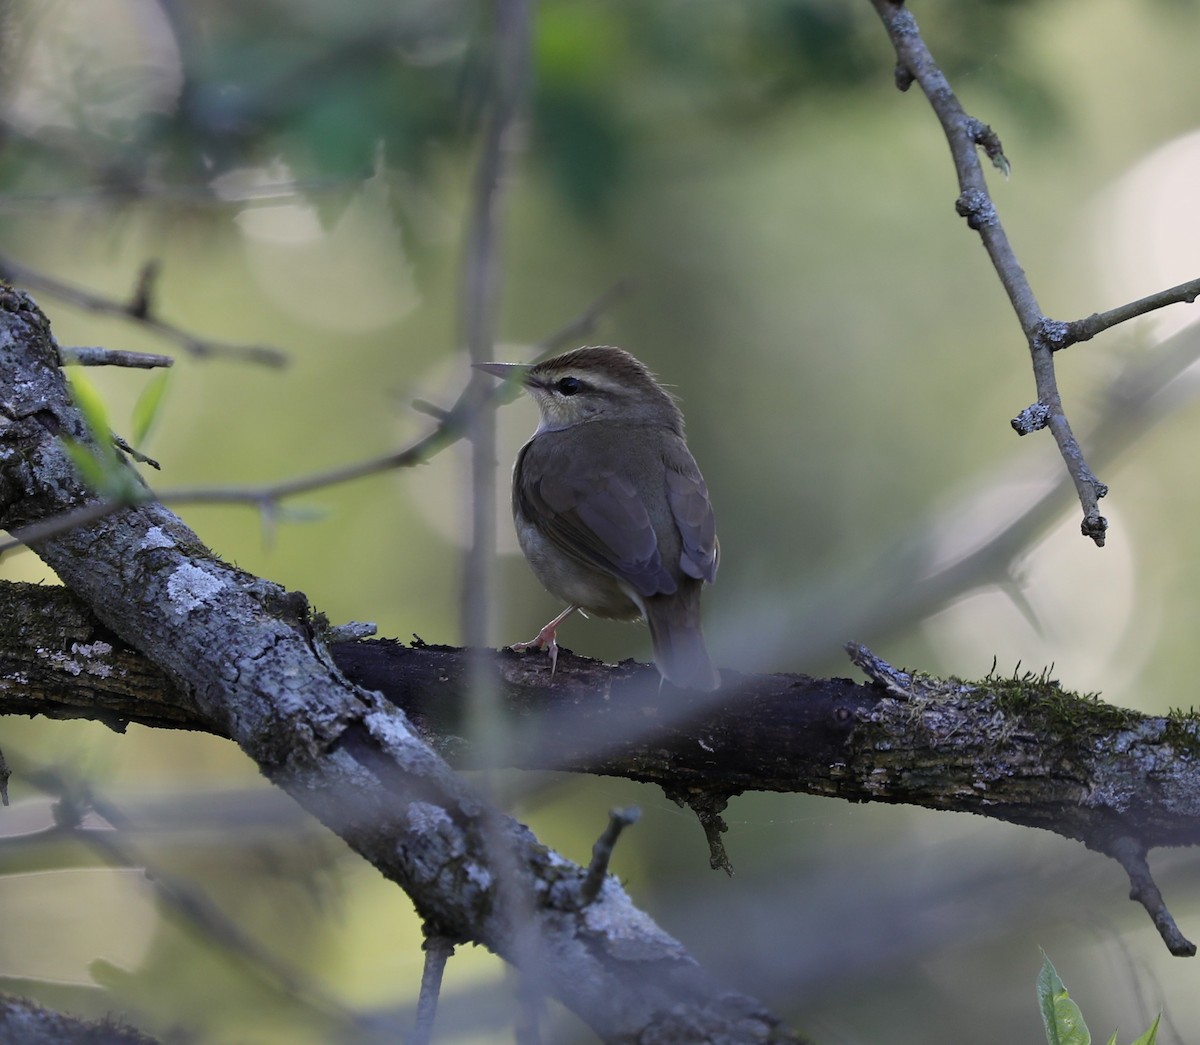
<point x="545" y="639"/>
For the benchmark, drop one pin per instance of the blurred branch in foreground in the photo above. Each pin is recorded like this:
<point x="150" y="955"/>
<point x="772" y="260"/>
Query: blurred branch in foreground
<point x="138" y="309"/>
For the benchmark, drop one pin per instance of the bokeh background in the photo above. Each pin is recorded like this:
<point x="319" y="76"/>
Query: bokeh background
<point x="848" y="364"/>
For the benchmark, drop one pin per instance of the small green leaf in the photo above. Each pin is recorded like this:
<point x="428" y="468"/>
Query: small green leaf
<point x="1060" y="1015"/>
<point x="147" y="407"/>
<point x="89" y="403"/>
<point x="107" y="476"/>
<point x="109" y="976"/>
<point x="1151" y="1036"/>
<point x="1113" y="1039"/>
<point x="90" y="470"/>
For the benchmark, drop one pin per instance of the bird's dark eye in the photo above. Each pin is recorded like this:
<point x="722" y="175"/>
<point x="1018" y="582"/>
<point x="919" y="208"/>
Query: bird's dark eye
<point x="568" y="386"/>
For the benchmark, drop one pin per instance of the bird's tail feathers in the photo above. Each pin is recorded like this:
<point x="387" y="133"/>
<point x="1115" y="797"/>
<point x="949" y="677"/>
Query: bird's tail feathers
<point x="679" y="649"/>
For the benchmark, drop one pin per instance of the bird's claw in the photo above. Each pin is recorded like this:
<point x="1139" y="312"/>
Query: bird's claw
<point x="544" y="639"/>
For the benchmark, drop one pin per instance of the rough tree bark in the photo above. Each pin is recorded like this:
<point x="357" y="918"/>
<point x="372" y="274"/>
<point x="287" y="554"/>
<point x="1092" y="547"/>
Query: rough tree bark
<point x="246" y="659"/>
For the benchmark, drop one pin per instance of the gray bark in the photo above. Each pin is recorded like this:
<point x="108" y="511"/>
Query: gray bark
<point x="245" y="659"/>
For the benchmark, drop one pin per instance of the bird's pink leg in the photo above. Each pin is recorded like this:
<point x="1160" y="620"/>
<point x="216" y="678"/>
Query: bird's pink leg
<point x="545" y="638"/>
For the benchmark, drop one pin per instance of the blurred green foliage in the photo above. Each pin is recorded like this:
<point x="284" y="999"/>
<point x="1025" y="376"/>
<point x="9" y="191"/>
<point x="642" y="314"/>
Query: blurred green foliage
<point x="212" y="88"/>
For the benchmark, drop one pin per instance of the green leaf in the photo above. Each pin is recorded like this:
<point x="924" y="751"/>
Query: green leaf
<point x="88" y="401"/>
<point x="1113" y="1039"/>
<point x="1060" y="1015"/>
<point x="109" y="976"/>
<point x="147" y="407"/>
<point x="1151" y="1035"/>
<point x="90" y="469"/>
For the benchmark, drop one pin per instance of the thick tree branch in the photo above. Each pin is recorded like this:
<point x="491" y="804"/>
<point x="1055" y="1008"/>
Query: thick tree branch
<point x="1019" y="750"/>
<point x="247" y="663"/>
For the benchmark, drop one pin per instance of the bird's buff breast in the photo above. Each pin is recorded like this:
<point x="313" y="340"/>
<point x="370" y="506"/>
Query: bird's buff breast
<point x="595" y="592"/>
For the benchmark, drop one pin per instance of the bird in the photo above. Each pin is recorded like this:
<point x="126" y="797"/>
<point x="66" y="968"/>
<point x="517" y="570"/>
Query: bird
<point x="609" y="505"/>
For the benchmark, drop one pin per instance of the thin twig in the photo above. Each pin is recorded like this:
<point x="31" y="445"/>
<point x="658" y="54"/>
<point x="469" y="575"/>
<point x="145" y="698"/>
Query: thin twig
<point x="1098" y="322"/>
<point x="75" y="798"/>
<point x="503" y="137"/>
<point x="264" y="498"/>
<point x="482" y="277"/>
<point x="966" y="135"/>
<point x="438" y="950"/>
<point x="602" y="851"/>
<point x="30" y="535"/>
<point x="121" y="444"/>
<point x="1131" y="855"/>
<point x="91" y="302"/>
<point x="531" y="1004"/>
<point x="76" y="355"/>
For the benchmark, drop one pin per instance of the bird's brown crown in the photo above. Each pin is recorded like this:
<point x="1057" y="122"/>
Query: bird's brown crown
<point x="601" y="382"/>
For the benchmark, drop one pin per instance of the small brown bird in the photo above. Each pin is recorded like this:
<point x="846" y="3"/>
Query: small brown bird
<point x="610" y="509"/>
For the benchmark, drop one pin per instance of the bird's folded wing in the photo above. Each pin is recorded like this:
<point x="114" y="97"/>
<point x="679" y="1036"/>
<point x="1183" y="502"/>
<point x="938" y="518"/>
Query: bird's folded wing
<point x="597" y="518"/>
<point x="687" y="495"/>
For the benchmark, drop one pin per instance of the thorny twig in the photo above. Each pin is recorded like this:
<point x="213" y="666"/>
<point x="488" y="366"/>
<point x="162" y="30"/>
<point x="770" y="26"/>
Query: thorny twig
<point x="138" y="309"/>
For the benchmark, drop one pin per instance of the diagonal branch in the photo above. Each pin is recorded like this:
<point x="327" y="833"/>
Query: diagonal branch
<point x="247" y="661"/>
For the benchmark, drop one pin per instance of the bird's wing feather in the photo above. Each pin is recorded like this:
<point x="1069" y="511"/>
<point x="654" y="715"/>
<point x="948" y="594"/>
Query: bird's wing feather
<point x="687" y="494"/>
<point x="594" y="515"/>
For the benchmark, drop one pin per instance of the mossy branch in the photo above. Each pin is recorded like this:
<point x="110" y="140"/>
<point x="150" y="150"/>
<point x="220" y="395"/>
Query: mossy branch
<point x="1018" y="749"/>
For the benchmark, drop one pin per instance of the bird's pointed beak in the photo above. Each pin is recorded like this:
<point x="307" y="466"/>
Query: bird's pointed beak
<point x="516" y="372"/>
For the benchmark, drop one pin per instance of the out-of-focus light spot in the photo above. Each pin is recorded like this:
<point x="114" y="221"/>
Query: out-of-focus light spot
<point x="352" y="274"/>
<point x="1068" y="603"/>
<point x="1147" y="230"/>
<point x="96" y="69"/>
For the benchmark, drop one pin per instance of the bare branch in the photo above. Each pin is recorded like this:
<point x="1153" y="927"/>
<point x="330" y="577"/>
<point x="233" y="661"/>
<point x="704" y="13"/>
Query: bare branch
<point x="482" y="275"/>
<point x="438" y="949"/>
<point x="452" y="428"/>
<point x="1131" y="854"/>
<point x="1019" y="750"/>
<point x="965" y="135"/>
<point x="602" y="851"/>
<point x="134" y="309"/>
<point x="1098" y="322"/>
<point x="93" y="511"/>
<point x="121" y="444"/>
<point x="76" y="797"/>
<point x="73" y="355"/>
